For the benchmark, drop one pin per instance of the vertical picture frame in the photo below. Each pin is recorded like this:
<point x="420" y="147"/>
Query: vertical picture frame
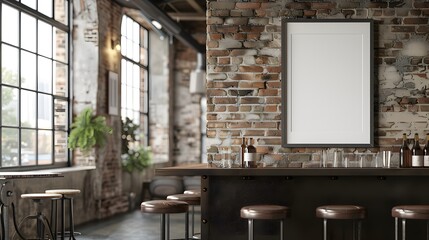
<point x="327" y="83"/>
<point x="113" y="93"/>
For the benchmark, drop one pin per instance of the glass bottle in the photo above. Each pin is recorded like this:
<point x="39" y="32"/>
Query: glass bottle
<point x="250" y="155"/>
<point x="243" y="150"/>
<point x="426" y="152"/>
<point x="404" y="153"/>
<point x="417" y="153"/>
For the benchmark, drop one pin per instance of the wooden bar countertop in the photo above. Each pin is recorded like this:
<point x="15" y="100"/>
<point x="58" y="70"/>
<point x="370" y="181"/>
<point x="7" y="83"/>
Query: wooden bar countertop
<point x="205" y="169"/>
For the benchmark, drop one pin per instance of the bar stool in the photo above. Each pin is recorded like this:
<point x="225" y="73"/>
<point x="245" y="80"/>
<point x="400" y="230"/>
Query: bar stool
<point x="192" y="200"/>
<point x="264" y="212"/>
<point x="196" y="192"/>
<point x="166" y="207"/>
<point x="41" y="220"/>
<point x="420" y="212"/>
<point x="66" y="194"/>
<point x="342" y="212"/>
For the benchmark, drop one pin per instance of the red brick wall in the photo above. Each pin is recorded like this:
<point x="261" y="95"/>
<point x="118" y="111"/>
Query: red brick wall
<point x="244" y="45"/>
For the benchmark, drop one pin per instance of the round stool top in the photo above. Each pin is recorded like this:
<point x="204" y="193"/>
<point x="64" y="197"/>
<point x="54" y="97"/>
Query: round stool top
<point x="41" y="195"/>
<point x="341" y="212"/>
<point x="191" y="199"/>
<point x="411" y="211"/>
<point x="64" y="191"/>
<point x="164" y="206"/>
<point x="264" y="212"/>
<point x="193" y="191"/>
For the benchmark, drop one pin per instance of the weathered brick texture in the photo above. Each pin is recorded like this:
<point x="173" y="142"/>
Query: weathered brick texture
<point x="244" y="80"/>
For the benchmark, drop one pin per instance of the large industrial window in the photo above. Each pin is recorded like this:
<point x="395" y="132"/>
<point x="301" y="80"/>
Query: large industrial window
<point x="34" y="118"/>
<point x="134" y="76"/>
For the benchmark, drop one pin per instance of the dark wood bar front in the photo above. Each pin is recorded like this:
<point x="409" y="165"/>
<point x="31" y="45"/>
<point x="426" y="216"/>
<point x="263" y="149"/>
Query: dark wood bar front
<point x="225" y="191"/>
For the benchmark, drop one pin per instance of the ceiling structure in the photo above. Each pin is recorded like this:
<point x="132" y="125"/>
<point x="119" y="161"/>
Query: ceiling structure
<point x="177" y="17"/>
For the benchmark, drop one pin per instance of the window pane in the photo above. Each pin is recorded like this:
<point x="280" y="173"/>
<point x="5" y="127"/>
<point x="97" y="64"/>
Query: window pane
<point x="60" y="115"/>
<point x="44" y="107"/>
<point x="124" y="45"/>
<point x="30" y="3"/>
<point x="10" y="65"/>
<point x="9" y="25"/>
<point x="9" y="147"/>
<point x="61" y="43"/>
<point x="61" y="11"/>
<point x="60" y="146"/>
<point x="28" y="70"/>
<point x="45" y="7"/>
<point x="144" y="38"/>
<point x="44" y="39"/>
<point x="45" y="75"/>
<point x="28" y="147"/>
<point x="28" y="32"/>
<point x="60" y="80"/>
<point x="9" y="106"/>
<point x="143" y="56"/>
<point x="45" y="147"/>
<point x="28" y="109"/>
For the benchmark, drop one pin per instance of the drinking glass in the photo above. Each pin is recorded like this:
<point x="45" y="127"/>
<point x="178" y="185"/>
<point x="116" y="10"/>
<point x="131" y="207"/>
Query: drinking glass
<point x="386" y="157"/>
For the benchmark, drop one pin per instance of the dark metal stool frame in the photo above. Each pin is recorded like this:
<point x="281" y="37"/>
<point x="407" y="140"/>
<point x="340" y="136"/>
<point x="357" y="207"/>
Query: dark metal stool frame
<point x="192" y="199"/>
<point x="404" y="212"/>
<point x="165" y="208"/>
<point x="264" y="212"/>
<point x="64" y="193"/>
<point x="41" y="220"/>
<point x="196" y="192"/>
<point x="342" y="212"/>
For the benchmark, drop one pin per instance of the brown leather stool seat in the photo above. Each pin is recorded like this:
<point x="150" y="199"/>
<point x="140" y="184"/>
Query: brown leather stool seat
<point x="341" y="212"/>
<point x="166" y="207"/>
<point x="264" y="212"/>
<point x="192" y="200"/>
<point x="193" y="191"/>
<point x="418" y="212"/>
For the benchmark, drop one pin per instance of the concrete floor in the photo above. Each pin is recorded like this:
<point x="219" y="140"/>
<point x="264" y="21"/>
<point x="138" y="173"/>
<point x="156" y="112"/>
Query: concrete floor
<point x="135" y="225"/>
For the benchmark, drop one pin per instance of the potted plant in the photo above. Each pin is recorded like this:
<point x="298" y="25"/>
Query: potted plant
<point x="88" y="131"/>
<point x="135" y="158"/>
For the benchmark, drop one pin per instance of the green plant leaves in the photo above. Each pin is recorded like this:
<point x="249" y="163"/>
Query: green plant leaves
<point x="88" y="131"/>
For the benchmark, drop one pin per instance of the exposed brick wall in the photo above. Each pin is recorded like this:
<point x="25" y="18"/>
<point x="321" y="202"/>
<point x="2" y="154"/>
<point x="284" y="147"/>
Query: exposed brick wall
<point x="244" y="46"/>
<point x="112" y="199"/>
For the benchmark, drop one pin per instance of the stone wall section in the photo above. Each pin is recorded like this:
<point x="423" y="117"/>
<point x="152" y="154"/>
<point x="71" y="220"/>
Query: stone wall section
<point x="244" y="65"/>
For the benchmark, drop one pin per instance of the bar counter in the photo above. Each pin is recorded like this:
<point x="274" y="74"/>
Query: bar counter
<point x="225" y="191"/>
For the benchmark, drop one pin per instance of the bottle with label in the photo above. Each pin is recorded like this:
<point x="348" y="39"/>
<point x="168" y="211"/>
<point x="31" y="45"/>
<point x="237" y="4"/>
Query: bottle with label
<point x="417" y="153"/>
<point x="426" y="152"/>
<point x="243" y="150"/>
<point x="250" y="155"/>
<point x="404" y="153"/>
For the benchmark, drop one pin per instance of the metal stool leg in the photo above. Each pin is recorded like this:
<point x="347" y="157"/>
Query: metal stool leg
<point x="193" y="218"/>
<point x="187" y="225"/>
<point x="427" y="230"/>
<point x="403" y="228"/>
<point x="168" y="226"/>
<point x="250" y="222"/>
<point x="162" y="227"/>
<point x="71" y="223"/>
<point x="54" y="217"/>
<point x="354" y="229"/>
<point x="282" y="235"/>
<point x="325" y="229"/>
<point x="396" y="228"/>
<point x="63" y="218"/>
<point x="359" y="230"/>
